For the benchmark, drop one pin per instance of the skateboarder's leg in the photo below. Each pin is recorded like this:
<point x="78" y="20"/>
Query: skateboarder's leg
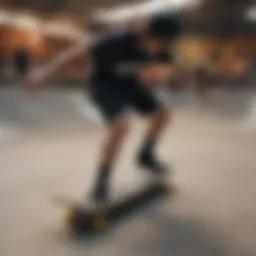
<point x="158" y="116"/>
<point x="113" y="108"/>
<point x="158" y="120"/>
<point x="111" y="147"/>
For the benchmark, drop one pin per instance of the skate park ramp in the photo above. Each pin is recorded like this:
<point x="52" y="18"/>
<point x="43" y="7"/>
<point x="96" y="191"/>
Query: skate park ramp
<point x="63" y="109"/>
<point x="210" y="147"/>
<point x="52" y="108"/>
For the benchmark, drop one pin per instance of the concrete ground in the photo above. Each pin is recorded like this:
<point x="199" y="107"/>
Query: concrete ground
<point x="213" y="212"/>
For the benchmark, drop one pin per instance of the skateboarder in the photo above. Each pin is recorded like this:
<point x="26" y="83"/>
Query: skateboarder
<point x="122" y="66"/>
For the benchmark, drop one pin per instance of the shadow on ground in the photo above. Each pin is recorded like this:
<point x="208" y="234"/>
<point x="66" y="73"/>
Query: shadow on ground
<point x="153" y="234"/>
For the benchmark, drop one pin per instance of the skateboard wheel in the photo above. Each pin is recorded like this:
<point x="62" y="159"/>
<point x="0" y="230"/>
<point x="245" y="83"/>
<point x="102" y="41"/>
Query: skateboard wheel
<point x="69" y="215"/>
<point x="99" y="222"/>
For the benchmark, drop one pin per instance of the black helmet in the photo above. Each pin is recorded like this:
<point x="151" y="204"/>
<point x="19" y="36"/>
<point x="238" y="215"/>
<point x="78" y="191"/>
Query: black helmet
<point x="164" y="25"/>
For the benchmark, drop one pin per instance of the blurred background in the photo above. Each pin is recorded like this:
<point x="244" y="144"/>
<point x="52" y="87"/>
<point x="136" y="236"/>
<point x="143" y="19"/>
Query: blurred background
<point x="49" y="142"/>
<point x="218" y="41"/>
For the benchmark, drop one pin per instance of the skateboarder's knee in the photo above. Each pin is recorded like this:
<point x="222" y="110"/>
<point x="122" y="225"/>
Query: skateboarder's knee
<point x="163" y="115"/>
<point x="120" y="126"/>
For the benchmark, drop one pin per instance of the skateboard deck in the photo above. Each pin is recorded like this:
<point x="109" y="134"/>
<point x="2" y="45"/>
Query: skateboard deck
<point x="81" y="217"/>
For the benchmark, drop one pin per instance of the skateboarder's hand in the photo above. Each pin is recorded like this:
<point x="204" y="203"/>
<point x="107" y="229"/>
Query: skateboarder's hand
<point x="162" y="71"/>
<point x="155" y="73"/>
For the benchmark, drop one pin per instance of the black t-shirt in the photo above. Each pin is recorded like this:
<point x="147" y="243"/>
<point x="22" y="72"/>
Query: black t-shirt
<point x="118" y="58"/>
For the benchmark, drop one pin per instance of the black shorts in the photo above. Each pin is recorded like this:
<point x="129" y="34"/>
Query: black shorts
<point x="113" y="102"/>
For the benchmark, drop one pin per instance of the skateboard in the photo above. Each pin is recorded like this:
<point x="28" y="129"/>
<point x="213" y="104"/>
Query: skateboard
<point x="81" y="218"/>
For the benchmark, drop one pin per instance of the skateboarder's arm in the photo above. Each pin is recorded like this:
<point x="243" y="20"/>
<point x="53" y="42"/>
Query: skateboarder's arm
<point x="160" y="69"/>
<point x="156" y="72"/>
